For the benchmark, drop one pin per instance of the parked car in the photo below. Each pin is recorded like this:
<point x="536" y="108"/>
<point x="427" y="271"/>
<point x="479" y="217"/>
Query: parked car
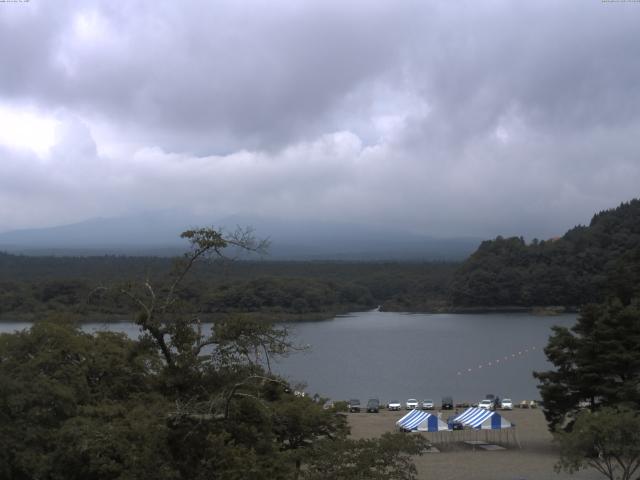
<point x="427" y="404"/>
<point x="486" y="404"/>
<point x="494" y="398"/>
<point x="506" y="404"/>
<point x="411" y="404"/>
<point x="453" y="425"/>
<point x="533" y="404"/>
<point x="524" y="404"/>
<point x="373" y="405"/>
<point x="354" y="405"/>
<point x="447" y="403"/>
<point x="394" y="405"/>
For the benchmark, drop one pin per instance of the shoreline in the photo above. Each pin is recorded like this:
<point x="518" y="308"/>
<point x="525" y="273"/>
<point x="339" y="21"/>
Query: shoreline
<point x="93" y="317"/>
<point x="542" y="310"/>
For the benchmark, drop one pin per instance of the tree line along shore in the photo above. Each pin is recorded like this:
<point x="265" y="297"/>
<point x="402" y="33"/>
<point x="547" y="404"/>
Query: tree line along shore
<point x="587" y="264"/>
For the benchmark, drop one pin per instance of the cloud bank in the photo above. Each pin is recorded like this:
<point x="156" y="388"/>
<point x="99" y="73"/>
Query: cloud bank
<point x="473" y="118"/>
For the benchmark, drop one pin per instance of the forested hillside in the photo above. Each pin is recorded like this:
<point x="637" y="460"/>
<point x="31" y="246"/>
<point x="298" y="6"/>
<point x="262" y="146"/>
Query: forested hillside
<point x="585" y="265"/>
<point x="34" y="286"/>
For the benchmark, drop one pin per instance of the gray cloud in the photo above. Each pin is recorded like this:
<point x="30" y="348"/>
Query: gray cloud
<point x="210" y="76"/>
<point x="472" y="118"/>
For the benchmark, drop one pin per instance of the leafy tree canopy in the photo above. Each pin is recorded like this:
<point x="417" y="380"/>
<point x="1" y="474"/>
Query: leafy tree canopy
<point x="607" y="440"/>
<point x="597" y="362"/>
<point x="586" y="264"/>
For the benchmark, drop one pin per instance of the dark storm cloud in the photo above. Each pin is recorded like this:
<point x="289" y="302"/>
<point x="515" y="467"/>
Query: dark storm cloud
<point x="444" y="117"/>
<point x="262" y="72"/>
<point x="239" y="75"/>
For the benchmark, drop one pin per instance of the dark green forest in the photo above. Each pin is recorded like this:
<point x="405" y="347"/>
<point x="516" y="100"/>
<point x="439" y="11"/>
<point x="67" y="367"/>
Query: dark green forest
<point x="90" y="286"/>
<point x="587" y="264"/>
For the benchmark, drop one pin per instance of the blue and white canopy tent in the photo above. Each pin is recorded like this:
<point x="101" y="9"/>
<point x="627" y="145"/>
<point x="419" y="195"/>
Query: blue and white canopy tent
<point x="422" y="422"/>
<point x="492" y="423"/>
<point x="482" y="419"/>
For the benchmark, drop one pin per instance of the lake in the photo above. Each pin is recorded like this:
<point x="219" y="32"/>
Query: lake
<point x="396" y="356"/>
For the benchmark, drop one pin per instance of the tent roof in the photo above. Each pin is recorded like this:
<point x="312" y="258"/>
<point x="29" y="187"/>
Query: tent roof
<point x="483" y="419"/>
<point x="422" y="421"/>
<point x="412" y="419"/>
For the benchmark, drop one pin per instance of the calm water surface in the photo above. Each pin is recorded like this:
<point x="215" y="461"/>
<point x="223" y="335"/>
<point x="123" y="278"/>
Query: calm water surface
<point x="396" y="356"/>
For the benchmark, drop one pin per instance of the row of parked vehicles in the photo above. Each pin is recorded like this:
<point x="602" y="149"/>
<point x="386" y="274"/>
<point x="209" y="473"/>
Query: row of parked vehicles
<point x="493" y="403"/>
<point x="373" y="405"/>
<point x="490" y="402"/>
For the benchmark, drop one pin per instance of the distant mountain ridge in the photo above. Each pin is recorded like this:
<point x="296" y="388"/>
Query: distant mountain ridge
<point x="158" y="233"/>
<point x="586" y="264"/>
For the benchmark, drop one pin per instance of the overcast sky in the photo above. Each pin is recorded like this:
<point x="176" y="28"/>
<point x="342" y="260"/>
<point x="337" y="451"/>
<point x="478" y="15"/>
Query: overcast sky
<point x="447" y="118"/>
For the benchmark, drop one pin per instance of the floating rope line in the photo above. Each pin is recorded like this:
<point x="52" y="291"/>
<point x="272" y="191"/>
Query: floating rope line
<point x="502" y="360"/>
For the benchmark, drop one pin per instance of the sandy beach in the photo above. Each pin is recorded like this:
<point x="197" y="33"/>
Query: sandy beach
<point x="459" y="461"/>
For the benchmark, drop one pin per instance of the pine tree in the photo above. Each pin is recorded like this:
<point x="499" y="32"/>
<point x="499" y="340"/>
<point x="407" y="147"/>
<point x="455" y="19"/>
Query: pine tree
<point x="597" y="363"/>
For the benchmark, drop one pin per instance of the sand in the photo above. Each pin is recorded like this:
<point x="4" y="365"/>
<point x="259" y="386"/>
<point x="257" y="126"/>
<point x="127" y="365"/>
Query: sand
<point x="457" y="460"/>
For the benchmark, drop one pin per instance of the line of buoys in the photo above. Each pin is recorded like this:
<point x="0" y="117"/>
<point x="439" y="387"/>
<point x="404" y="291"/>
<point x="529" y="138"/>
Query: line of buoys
<point x="497" y="361"/>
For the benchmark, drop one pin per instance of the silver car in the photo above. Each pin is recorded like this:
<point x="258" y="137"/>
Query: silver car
<point x="486" y="404"/>
<point x="427" y="404"/>
<point x="412" y="403"/>
<point x="394" y="405"/>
